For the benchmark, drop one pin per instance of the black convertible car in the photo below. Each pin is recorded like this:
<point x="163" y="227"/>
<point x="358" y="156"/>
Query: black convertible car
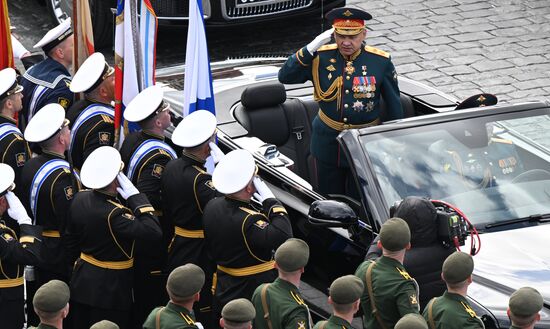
<point x="493" y="163"/>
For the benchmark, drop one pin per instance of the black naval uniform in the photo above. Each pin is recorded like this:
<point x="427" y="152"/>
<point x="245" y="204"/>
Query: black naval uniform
<point x="92" y="125"/>
<point x="46" y="82"/>
<point x="145" y="156"/>
<point x="15" y="149"/>
<point x="349" y="91"/>
<point x="186" y="189"/>
<point x="14" y="255"/>
<point x="242" y="242"/>
<point x="101" y="233"/>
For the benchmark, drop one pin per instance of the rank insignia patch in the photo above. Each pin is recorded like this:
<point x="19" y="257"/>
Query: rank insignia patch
<point x="63" y="102"/>
<point x="7" y="237"/>
<point x="301" y="324"/>
<point x="128" y="216"/>
<point x="20" y="159"/>
<point x="104" y="138"/>
<point x="331" y="68"/>
<point x="209" y="184"/>
<point x="261" y="224"/>
<point x="69" y="192"/>
<point x="157" y="171"/>
<point x="413" y="299"/>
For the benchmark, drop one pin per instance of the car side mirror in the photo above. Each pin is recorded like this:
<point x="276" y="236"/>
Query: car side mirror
<point x="331" y="213"/>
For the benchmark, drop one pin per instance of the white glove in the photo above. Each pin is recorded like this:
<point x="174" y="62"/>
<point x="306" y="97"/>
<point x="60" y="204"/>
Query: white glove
<point x="320" y="40"/>
<point x="262" y="191"/>
<point x="16" y="209"/>
<point x="126" y="189"/>
<point x="215" y="152"/>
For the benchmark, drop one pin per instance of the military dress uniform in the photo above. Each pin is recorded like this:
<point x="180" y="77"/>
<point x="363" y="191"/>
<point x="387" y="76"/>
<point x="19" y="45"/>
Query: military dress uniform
<point x="451" y="311"/>
<point x="15" y="150"/>
<point x="92" y="125"/>
<point x="333" y="322"/>
<point x="14" y="254"/>
<point x="171" y="316"/>
<point x="394" y="292"/>
<point x="349" y="92"/>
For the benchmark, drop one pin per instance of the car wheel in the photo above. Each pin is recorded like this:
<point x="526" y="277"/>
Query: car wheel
<point x="102" y="18"/>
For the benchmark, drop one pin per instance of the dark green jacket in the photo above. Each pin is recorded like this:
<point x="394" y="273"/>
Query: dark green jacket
<point x="451" y="311"/>
<point x="395" y="292"/>
<point x="287" y="309"/>
<point x="334" y="322"/>
<point x="348" y="90"/>
<point x="172" y="316"/>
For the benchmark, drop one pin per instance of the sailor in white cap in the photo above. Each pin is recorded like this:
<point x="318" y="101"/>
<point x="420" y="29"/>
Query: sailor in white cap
<point x="14" y="150"/>
<point x="240" y="238"/>
<point x="48" y="81"/>
<point x="14" y="252"/>
<point x="101" y="233"/>
<point x="186" y="189"/>
<point x="145" y="154"/>
<point x="47" y="188"/>
<point x="92" y="118"/>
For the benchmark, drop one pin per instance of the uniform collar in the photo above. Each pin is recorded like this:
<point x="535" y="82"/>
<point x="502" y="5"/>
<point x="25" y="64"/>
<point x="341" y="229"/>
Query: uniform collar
<point x="339" y="321"/>
<point x="236" y="201"/>
<point x="194" y="158"/>
<point x="389" y="261"/>
<point x="52" y="154"/>
<point x="285" y="284"/>
<point x="456" y="297"/>
<point x="10" y="120"/>
<point x="149" y="135"/>
<point x="95" y="101"/>
<point x="107" y="195"/>
<point x="353" y="56"/>
<point x="178" y="308"/>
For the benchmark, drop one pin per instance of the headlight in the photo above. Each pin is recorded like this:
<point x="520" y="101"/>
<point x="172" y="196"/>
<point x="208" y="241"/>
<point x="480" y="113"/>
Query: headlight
<point x="494" y="303"/>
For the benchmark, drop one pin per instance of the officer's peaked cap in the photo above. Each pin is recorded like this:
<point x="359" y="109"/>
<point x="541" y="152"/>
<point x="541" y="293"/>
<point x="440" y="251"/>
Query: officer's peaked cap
<point x="55" y="36"/>
<point x="234" y="171"/>
<point x="91" y="73"/>
<point x="411" y="321"/>
<point x="48" y="121"/>
<point x="101" y="167"/>
<point x="395" y="234"/>
<point x="185" y="281"/>
<point x="525" y="302"/>
<point x="479" y="100"/>
<point x="457" y="267"/>
<point x="348" y="21"/>
<point x="346" y="289"/>
<point x="196" y="128"/>
<point x="51" y="297"/>
<point x="239" y="311"/>
<point x="292" y="255"/>
<point x="8" y="83"/>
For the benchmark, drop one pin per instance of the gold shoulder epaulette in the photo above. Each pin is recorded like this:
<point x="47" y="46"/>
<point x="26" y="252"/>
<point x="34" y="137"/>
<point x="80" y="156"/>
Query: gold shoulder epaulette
<point x="199" y="169"/>
<point x="250" y="211"/>
<point x="299" y="300"/>
<point x="377" y="51"/>
<point x="502" y="141"/>
<point x="116" y="204"/>
<point x="332" y="46"/>
<point x="404" y="273"/>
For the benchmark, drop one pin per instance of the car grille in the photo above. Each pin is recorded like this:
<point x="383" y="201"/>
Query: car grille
<point x="231" y="11"/>
<point x="171" y="8"/>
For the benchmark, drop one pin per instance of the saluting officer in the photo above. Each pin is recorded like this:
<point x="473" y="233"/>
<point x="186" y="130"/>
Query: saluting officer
<point x="145" y="155"/>
<point x="390" y="292"/>
<point x="452" y="310"/>
<point x="524" y="307"/>
<point x="102" y="232"/>
<point x="238" y="314"/>
<point x="241" y="238"/>
<point x="92" y="118"/>
<point x="344" y="294"/>
<point x="280" y="304"/>
<point x="349" y="80"/>
<point x="14" y="150"/>
<point x="183" y="286"/>
<point x="47" y="190"/>
<point x="186" y="189"/>
<point x="14" y="253"/>
<point x="48" y="81"/>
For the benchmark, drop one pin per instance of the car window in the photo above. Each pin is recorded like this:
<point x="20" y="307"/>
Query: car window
<point x="494" y="168"/>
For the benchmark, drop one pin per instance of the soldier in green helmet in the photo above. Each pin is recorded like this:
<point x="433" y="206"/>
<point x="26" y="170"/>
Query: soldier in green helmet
<point x="344" y="298"/>
<point x="238" y="314"/>
<point x="51" y="304"/>
<point x="524" y="307"/>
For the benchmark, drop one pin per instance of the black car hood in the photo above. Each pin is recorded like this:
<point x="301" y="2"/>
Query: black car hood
<point x="515" y="258"/>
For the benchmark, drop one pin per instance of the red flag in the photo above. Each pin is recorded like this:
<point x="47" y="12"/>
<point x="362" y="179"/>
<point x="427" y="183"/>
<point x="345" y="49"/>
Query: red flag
<point x="6" y="52"/>
<point x="83" y="34"/>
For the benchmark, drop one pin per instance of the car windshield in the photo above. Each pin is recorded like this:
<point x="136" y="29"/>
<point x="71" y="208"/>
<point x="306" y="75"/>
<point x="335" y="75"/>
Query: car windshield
<point x="494" y="168"/>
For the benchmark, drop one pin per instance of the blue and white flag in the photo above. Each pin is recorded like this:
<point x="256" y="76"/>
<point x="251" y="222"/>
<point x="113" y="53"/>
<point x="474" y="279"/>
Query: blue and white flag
<point x="198" y="92"/>
<point x="148" y="24"/>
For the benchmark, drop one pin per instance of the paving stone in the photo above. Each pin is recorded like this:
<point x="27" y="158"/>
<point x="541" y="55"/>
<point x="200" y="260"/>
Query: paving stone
<point x="475" y="6"/>
<point x="489" y="65"/>
<point x="533" y="83"/>
<point x="528" y="60"/>
<point x="445" y="18"/>
<point x="497" y="41"/>
<point x="437" y="40"/>
<point x="476" y="28"/>
<point x="463" y="60"/>
<point x="473" y="36"/>
<point x="424" y="75"/>
<point x="464" y="45"/>
<point x="457" y="69"/>
<point x="445" y="10"/>
<point x="433" y="64"/>
<point x="407" y="68"/>
<point x="493" y="55"/>
<point x="509" y="32"/>
<point x="512" y="23"/>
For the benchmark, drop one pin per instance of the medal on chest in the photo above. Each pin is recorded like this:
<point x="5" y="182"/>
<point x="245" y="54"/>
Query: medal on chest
<point x="349" y="68"/>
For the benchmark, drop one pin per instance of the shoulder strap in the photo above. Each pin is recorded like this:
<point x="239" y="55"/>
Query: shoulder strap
<point x="265" y="306"/>
<point x="431" y="321"/>
<point x="157" y="317"/>
<point x="89" y="112"/>
<point x="371" y="295"/>
<point x="143" y="149"/>
<point x="322" y="324"/>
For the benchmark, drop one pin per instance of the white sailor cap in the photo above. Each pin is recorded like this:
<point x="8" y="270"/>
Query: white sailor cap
<point x="147" y="103"/>
<point x="101" y="167"/>
<point x="234" y="171"/>
<point x="196" y="128"/>
<point x="7" y="176"/>
<point x="49" y="120"/>
<point x="55" y="36"/>
<point x="91" y="74"/>
<point x="8" y="83"/>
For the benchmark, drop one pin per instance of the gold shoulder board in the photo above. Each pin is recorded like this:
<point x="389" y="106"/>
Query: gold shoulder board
<point x="377" y="51"/>
<point x="199" y="169"/>
<point x="250" y="211"/>
<point x="332" y="46"/>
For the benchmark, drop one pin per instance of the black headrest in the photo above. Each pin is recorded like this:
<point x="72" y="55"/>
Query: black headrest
<point x="268" y="95"/>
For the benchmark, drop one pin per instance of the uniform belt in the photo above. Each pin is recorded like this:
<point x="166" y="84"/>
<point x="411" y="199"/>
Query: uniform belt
<point x="249" y="270"/>
<point x="337" y="125"/>
<point x="51" y="234"/>
<point x="112" y="265"/>
<point x="10" y="283"/>
<point x="195" y="234"/>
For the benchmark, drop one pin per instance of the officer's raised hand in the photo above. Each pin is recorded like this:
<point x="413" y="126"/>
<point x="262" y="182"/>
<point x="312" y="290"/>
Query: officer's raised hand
<point x="16" y="209"/>
<point x="215" y="152"/>
<point x="262" y="191"/>
<point x="126" y="189"/>
<point x="320" y="40"/>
